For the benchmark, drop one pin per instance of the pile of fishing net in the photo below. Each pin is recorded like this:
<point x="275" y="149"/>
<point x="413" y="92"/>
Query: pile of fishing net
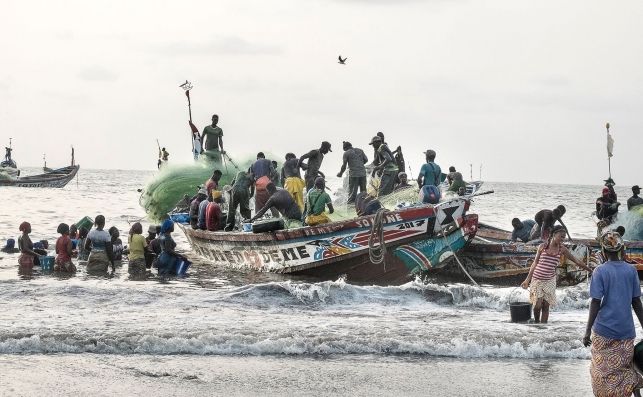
<point x="395" y="200"/>
<point x="632" y="221"/>
<point x="173" y="181"/>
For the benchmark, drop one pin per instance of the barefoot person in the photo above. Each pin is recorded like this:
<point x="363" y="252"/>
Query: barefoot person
<point x="615" y="291"/>
<point x="542" y="274"/>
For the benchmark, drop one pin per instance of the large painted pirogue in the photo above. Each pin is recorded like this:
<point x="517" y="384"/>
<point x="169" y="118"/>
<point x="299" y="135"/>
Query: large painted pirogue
<point x="492" y="258"/>
<point x="342" y="248"/>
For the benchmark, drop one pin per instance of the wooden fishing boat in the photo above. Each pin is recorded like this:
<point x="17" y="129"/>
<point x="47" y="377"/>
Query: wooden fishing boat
<point x="491" y="257"/>
<point x="57" y="178"/>
<point x="339" y="248"/>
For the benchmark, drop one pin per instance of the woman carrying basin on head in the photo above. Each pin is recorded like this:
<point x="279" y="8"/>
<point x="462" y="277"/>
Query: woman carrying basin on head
<point x="542" y="274"/>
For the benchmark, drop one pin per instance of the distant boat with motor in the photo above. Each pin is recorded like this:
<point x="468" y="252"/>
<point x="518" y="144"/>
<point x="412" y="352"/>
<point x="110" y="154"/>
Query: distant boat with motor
<point x="346" y="248"/>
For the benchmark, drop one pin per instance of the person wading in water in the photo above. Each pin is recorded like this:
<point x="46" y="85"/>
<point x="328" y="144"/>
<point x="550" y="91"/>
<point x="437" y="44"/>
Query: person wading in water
<point x="542" y="274"/>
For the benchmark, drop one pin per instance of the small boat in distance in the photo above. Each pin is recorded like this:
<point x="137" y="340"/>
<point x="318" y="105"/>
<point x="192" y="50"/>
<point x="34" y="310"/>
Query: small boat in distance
<point x="57" y="178"/>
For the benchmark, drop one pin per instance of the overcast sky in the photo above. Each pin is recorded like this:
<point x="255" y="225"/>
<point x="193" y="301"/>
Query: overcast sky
<point x="522" y="87"/>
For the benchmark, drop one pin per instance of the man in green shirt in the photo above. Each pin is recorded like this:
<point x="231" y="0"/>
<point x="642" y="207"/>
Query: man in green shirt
<point x="316" y="202"/>
<point x="212" y="140"/>
<point x="242" y="189"/>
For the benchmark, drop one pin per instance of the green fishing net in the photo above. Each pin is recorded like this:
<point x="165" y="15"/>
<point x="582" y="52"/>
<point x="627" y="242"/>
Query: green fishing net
<point x="173" y="181"/>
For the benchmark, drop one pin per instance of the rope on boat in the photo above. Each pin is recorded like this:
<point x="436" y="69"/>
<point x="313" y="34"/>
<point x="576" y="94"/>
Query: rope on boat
<point x="458" y="259"/>
<point x="377" y="249"/>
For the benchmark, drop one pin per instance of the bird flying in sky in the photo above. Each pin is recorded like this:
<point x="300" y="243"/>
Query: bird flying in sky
<point x="342" y="61"/>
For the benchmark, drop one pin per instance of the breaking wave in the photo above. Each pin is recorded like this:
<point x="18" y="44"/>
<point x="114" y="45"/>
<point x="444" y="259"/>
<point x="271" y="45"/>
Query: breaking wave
<point x="217" y="344"/>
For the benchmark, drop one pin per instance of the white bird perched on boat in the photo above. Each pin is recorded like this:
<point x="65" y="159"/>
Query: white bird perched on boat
<point x="342" y="61"/>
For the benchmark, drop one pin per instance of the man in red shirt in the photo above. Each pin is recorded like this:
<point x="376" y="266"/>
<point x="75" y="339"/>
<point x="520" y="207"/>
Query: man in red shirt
<point x="212" y="184"/>
<point x="213" y="212"/>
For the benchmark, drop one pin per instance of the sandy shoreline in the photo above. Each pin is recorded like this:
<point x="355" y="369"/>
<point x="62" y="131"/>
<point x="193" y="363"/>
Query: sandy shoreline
<point x="180" y="375"/>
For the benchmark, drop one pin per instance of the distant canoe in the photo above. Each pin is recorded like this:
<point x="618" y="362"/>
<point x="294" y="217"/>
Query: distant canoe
<point x="57" y="178"/>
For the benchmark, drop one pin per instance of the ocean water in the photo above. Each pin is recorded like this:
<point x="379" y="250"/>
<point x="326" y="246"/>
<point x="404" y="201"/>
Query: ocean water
<point x="219" y="331"/>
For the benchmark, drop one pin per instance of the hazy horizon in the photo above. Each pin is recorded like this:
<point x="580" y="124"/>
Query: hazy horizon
<point x="523" y="88"/>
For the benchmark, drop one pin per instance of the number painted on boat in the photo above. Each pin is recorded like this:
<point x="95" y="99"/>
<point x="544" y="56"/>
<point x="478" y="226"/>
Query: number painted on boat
<point x="411" y="225"/>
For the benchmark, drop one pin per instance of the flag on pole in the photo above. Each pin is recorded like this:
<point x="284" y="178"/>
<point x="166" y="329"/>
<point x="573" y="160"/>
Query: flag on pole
<point x="610" y="145"/>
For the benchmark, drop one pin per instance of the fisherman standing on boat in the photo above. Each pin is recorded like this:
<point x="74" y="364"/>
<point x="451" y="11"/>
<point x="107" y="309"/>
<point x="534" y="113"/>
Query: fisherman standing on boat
<point x="545" y="220"/>
<point x="213" y="183"/>
<point x="635" y="199"/>
<point x="242" y="190"/>
<point x="522" y="229"/>
<point x="212" y="140"/>
<point x="291" y="179"/>
<point x="355" y="159"/>
<point x="430" y="172"/>
<point x="7" y="155"/>
<point x="261" y="171"/>
<point x="315" y="158"/>
<point x="283" y="202"/>
<point x="386" y="167"/>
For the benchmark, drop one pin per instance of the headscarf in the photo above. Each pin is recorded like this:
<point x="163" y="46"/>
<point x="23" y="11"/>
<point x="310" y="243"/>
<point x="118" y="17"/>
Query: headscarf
<point x="24" y="226"/>
<point x="167" y="225"/>
<point x="611" y="241"/>
<point x="216" y="194"/>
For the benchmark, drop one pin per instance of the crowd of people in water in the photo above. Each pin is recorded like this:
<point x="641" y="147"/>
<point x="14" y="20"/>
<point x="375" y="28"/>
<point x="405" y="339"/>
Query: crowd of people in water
<point x="101" y="250"/>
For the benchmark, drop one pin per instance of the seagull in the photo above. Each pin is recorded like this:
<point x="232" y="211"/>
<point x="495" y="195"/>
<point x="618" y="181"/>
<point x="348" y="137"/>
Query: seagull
<point x="342" y="61"/>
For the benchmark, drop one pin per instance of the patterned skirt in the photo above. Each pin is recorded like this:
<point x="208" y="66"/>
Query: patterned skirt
<point x="98" y="262"/>
<point x="137" y="266"/>
<point x="545" y="289"/>
<point x="612" y="372"/>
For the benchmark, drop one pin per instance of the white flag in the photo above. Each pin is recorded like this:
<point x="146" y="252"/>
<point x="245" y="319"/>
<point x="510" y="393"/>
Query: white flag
<point x="610" y="145"/>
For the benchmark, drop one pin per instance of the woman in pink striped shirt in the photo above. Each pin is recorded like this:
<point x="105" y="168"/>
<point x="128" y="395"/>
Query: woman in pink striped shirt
<point x="542" y="274"/>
